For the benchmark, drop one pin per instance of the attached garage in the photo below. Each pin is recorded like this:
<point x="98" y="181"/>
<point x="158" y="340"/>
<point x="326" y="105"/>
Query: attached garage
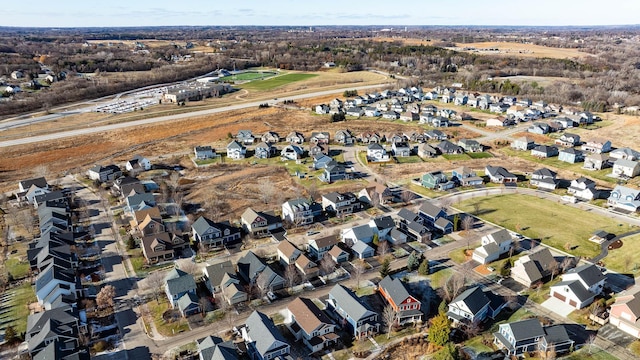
<point x="629" y="329"/>
<point x="559" y="296"/>
<point x="573" y="303"/>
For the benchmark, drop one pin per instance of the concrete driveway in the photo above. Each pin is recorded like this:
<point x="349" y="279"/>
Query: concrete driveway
<point x="616" y="335"/>
<point x="558" y="306"/>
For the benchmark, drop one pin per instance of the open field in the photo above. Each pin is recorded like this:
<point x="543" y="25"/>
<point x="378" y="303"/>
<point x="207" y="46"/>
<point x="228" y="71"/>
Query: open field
<point x="250" y="75"/>
<point x="14" y="310"/>
<point x="554" y="223"/>
<point x="623" y="259"/>
<point x="274" y="82"/>
<point x="520" y="50"/>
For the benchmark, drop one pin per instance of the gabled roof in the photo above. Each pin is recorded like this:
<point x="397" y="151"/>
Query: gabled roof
<point x="474" y="298"/>
<point x="499" y="171"/>
<point x="362" y="232"/>
<point x="179" y="281"/>
<point x="250" y="215"/>
<point x="361" y="247"/>
<point x="430" y="209"/>
<point x="556" y="334"/>
<point x="207" y="346"/>
<point x="626" y="163"/>
<point x="287" y="248"/>
<point x="375" y="146"/>
<point x="526" y="329"/>
<point x="407" y="214"/>
<point x="632" y="301"/>
<point x="264" y="333"/>
<point x="187" y="301"/>
<point x="350" y="303"/>
<point x="40" y="182"/>
<point x="250" y="265"/>
<point x="576" y="288"/>
<point x="336" y="251"/>
<point x="217" y="271"/>
<point x="235" y="145"/>
<point x="589" y="273"/>
<point x="307" y="314"/>
<point x="325" y="241"/>
<point x="545" y="173"/>
<point x="384" y="222"/>
<point x="395" y="288"/>
<point x="500" y="236"/>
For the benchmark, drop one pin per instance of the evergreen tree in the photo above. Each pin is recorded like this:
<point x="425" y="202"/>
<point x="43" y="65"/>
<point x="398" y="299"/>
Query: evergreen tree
<point x="413" y="261"/>
<point x="424" y="267"/>
<point x="385" y="267"/>
<point x="439" y="330"/>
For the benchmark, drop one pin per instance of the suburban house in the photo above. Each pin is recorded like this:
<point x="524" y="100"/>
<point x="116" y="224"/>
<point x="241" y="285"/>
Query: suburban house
<point x="436" y="180"/>
<point x="544" y="179"/>
<point x="320" y="246"/>
<point x="500" y="121"/>
<point x="204" y="152"/>
<point x="582" y="188"/>
<point x="258" y="223"/>
<point x="470" y="145"/>
<point x="295" y="137"/>
<point x="137" y="164"/>
<point x="544" y="151"/>
<point x="524" y="336"/>
<point x="307" y="268"/>
<point x="291" y="152"/>
<point x="245" y="137"/>
<point x="375" y="193"/>
<point x="263" y="339"/>
<point x="177" y="283"/>
<point x="55" y="283"/>
<point x="624" y="168"/>
<point x="287" y="253"/>
<point x="355" y="234"/>
<point x="334" y="172"/>
<point x="625" y="312"/>
<point x="533" y="268"/>
<point x="435" y="217"/>
<point x="597" y="146"/>
<point x="215" y="234"/>
<point x="58" y="328"/>
<point x="376" y="152"/>
<point x="382" y="226"/>
<point x="523" y="143"/>
<point x="571" y="155"/>
<point x="568" y="140"/>
<point x="475" y="305"/>
<point x="466" y="177"/>
<point x="308" y="323"/>
<point x="406" y="306"/>
<point x="315" y="149"/>
<point x="322" y="161"/>
<point x="624" y="198"/>
<point x="339" y="204"/>
<point x="236" y="150"/>
<point x="319" y="138"/>
<point x="104" y="173"/>
<point x="500" y="175"/>
<point x="188" y="304"/>
<point x="360" y="320"/>
<point x="579" y="286"/>
<point x="338" y="254"/>
<point x="539" y="128"/>
<point x="436" y="135"/>
<point x="446" y="147"/>
<point x="300" y="211"/>
<point x="270" y="137"/>
<point x="401" y="149"/>
<point x="370" y="137"/>
<point x="427" y="151"/>
<point x="625" y="153"/>
<point x="159" y="247"/>
<point x="256" y="272"/>
<point x="214" y="273"/>
<point x="596" y="162"/>
<point x="493" y="246"/>
<point x="264" y="150"/>
<point x="213" y="348"/>
<point x="345" y="137"/>
<point x="362" y="250"/>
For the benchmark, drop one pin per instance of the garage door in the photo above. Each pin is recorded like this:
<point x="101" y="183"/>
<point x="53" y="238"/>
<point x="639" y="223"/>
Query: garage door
<point x="572" y="303"/>
<point x="559" y="296"/>
<point x="628" y="329"/>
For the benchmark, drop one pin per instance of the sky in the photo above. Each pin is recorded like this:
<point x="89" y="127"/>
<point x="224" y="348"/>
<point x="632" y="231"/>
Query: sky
<point x="77" y="13"/>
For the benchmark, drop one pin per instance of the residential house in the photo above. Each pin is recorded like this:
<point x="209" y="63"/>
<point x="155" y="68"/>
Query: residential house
<point x="315" y="149"/>
<point x="213" y="348"/>
<point x="597" y="162"/>
<point x="353" y="313"/>
<point x="447" y="147"/>
<point x="435" y="217"/>
<point x="416" y="137"/>
<point x="334" y="172"/>
<point x="544" y="178"/>
<point x="579" y="286"/>
<point x="382" y="226"/>
<point x="409" y="116"/>
<point x="270" y="137"/>
<point x="358" y="233"/>
<point x="571" y="155"/>
<point x="372" y="111"/>
<point x="544" y="151"/>
<point x="582" y="188"/>
<point x="258" y="223"/>
<point x="236" y="150"/>
<point x="390" y="115"/>
<point x="308" y="323"/>
<point x="295" y="137"/>
<point x="321" y="161"/>
<point x="148" y="221"/>
<point x="461" y="100"/>
<point x="320" y="246"/>
<point x="189" y="304"/>
<point x="104" y="173"/>
<point x="539" y="128"/>
<point x="176" y="284"/>
<point x="55" y="284"/>
<point x="466" y="177"/>
<point x="215" y="234"/>
<point x="533" y="268"/>
<point x="624" y="168"/>
<point x="625" y="312"/>
<point x="255" y="271"/>
<point x="59" y="327"/>
<point x="375" y="193"/>
<point x="157" y="247"/>
<point x="319" y="138"/>
<point x="427" y="151"/>
<point x="204" y="152"/>
<point x="291" y="152"/>
<point x="500" y="175"/>
<point x="438" y="121"/>
<point x="370" y="138"/>
<point x="322" y="109"/>
<point x="499" y="121"/>
<point x="524" y="336"/>
<point x="401" y="149"/>
<point x="493" y="246"/>
<point x="307" y="268"/>
<point x="213" y="275"/>
<point x="345" y="137"/>
<point x="475" y="305"/>
<point x="523" y="143"/>
<point x="436" y="180"/>
<point x="263" y="339"/>
<point x="137" y="164"/>
<point x="362" y="250"/>
<point x="245" y="137"/>
<point x="338" y="254"/>
<point x="625" y="153"/>
<point x="406" y="306"/>
<point x="568" y="140"/>
<point x="376" y="152"/>
<point x="300" y="211"/>
<point x="339" y="204"/>
<point x="232" y="291"/>
<point x="287" y="253"/>
<point x="264" y="150"/>
<point x="597" y="146"/>
<point x="470" y="145"/>
<point x="624" y="198"/>
<point x="436" y="135"/>
<point x="138" y="202"/>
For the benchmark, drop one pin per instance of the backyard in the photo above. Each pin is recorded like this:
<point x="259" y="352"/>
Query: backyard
<point x="14" y="309"/>
<point x="557" y="225"/>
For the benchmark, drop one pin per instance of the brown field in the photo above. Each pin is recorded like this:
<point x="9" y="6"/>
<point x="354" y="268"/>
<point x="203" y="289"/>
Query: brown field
<point x="522" y="50"/>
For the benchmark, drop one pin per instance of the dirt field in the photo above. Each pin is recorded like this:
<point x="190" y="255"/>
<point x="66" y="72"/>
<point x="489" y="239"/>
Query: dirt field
<point x="622" y="130"/>
<point x="521" y="50"/>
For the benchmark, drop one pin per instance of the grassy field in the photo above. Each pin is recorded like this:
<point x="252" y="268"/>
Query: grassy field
<point x="166" y="328"/>
<point x="15" y="310"/>
<point x="554" y="223"/>
<point x="250" y="75"/>
<point x="623" y="260"/>
<point x="274" y="82"/>
<point x="17" y="268"/>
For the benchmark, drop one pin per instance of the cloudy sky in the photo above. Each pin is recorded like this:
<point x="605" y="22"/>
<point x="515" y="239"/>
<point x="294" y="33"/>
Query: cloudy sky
<point x="76" y="13"/>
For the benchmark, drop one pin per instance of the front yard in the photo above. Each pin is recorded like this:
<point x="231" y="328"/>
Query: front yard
<point x="169" y="326"/>
<point x="556" y="224"/>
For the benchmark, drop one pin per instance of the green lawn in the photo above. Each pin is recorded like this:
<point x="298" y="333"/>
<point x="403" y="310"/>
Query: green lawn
<point x="20" y="298"/>
<point x="408" y="159"/>
<point x="439" y="278"/>
<point x="166" y="328"/>
<point x="458" y="255"/>
<point x="274" y="82"/>
<point x="596" y="354"/>
<point x="540" y="295"/>
<point x="554" y="223"/>
<point x="250" y="75"/>
<point x="480" y="155"/>
<point x="16" y="267"/>
<point x="424" y="191"/>
<point x="477" y="344"/>
<point x="455" y="157"/>
<point x="623" y="260"/>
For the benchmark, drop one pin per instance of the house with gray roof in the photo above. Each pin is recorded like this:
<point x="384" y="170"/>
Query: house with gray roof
<point x="475" y="305"/>
<point x="61" y="325"/>
<point x="254" y="270"/>
<point x="236" y="151"/>
<point x="213" y="275"/>
<point x="263" y="339"/>
<point x="500" y="175"/>
<point x="626" y="154"/>
<point x="544" y="151"/>
<point x="470" y="145"/>
<point x="57" y="350"/>
<point x="176" y="284"/>
<point x="301" y="211"/>
<point x="204" y="152"/>
<point x="597" y="162"/>
<point x="447" y="147"/>
<point x="245" y="137"/>
<point x="358" y="233"/>
<point x="544" y="178"/>
<point x="396" y="294"/>
<point x="339" y="204"/>
<point x="524" y="336"/>
<point x="264" y="150"/>
<point x="104" y="173"/>
<point x="624" y="198"/>
<point x="358" y="317"/>
<point x="214" y="348"/>
<point x="188" y="304"/>
<point x="623" y="168"/>
<point x="523" y="143"/>
<point x="583" y="188"/>
<point x="213" y="234"/>
<point x="362" y="250"/>
<point x="571" y="155"/>
<point x="295" y="137"/>
<point x="55" y="284"/>
<point x="579" y="286"/>
<point x="493" y="246"/>
<point x="291" y="152"/>
<point x="260" y="223"/>
<point x="534" y="267"/>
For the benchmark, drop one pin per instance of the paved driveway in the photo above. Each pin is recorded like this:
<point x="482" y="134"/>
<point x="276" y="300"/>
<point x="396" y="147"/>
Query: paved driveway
<point x="616" y="335"/>
<point x="558" y="306"/>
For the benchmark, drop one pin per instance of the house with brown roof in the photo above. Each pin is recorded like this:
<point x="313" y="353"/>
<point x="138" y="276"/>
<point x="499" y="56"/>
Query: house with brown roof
<point x="307" y="268"/>
<point x="310" y="324"/>
<point x="157" y="247"/>
<point x="319" y="247"/>
<point x="151" y="225"/>
<point x="287" y="253"/>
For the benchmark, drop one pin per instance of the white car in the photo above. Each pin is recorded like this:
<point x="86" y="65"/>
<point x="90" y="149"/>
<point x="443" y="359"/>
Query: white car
<point x="271" y="296"/>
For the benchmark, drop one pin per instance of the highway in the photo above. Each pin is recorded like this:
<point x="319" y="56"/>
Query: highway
<point x="97" y="129"/>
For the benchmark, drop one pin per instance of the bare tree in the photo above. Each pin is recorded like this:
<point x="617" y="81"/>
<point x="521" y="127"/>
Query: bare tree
<point x="383" y="248"/>
<point x="389" y="317"/>
<point x="266" y="190"/>
<point x="155" y="283"/>
<point x="313" y="191"/>
<point x="566" y="264"/>
<point x="467" y="223"/>
<point x="445" y="203"/>
<point x="472" y="329"/>
<point x="28" y="220"/>
<point x="555" y="268"/>
<point x="291" y="276"/>
<point x="190" y="268"/>
<point x="590" y="341"/>
<point x="105" y="296"/>
<point x="407" y="196"/>
<point x="375" y="199"/>
<point x="453" y="286"/>
<point x="359" y="267"/>
<point x="595" y="309"/>
<point x="174" y="180"/>
<point x="327" y="264"/>
<point x="262" y="283"/>
<point x="476" y="208"/>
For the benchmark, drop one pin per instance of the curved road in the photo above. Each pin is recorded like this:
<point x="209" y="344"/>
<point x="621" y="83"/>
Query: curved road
<point x="98" y="129"/>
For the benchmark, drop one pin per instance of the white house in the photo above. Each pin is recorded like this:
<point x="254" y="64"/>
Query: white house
<point x="235" y="150"/>
<point x="138" y="163"/>
<point x="376" y="152"/>
<point x="579" y="286"/>
<point x="582" y="188"/>
<point x="492" y="246"/>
